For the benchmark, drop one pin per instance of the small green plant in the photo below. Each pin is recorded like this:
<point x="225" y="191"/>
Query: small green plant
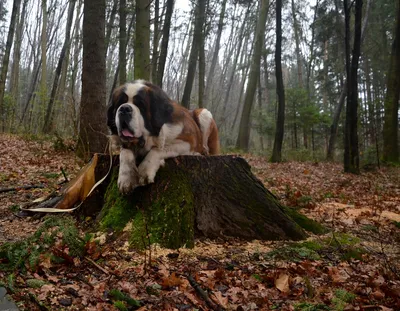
<point x="370" y="228"/>
<point x="342" y="298"/>
<point x="397" y="224"/>
<point x="120" y="305"/>
<point x="50" y="175"/>
<point x="26" y="253"/>
<point x="306" y="306"/>
<point x="119" y="296"/>
<point x="14" y="208"/>
<point x="35" y="283"/>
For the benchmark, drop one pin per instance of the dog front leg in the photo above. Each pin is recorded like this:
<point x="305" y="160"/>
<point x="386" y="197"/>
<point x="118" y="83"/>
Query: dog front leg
<point x="128" y="172"/>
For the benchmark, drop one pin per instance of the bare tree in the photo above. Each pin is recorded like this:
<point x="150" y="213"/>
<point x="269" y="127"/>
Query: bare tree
<point x="48" y="120"/>
<point x="280" y="91"/>
<point x="244" y="127"/>
<point x="194" y="51"/>
<point x="351" y="153"/>
<point x="6" y="58"/>
<point x="391" y="125"/>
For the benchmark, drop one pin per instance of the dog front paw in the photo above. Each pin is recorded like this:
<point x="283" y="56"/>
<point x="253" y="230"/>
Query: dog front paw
<point x="147" y="173"/>
<point x="127" y="183"/>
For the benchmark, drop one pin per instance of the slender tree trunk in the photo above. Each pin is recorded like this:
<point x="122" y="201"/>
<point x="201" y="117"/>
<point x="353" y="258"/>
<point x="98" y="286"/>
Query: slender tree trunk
<point x="280" y="90"/>
<point x="312" y="55"/>
<point x="6" y="59"/>
<point x="43" y="44"/>
<point x="232" y="75"/>
<point x="202" y="71"/>
<point x="49" y="113"/>
<point x="122" y="41"/>
<point x="142" y="40"/>
<point x="244" y="127"/>
<point x="164" y="42"/>
<point x="391" y="120"/>
<point x="154" y="58"/>
<point x="297" y="41"/>
<point x="110" y="24"/>
<point x="343" y="94"/>
<point x="351" y="154"/>
<point x="194" y="51"/>
<point x="217" y="45"/>
<point x="14" y="81"/>
<point x="92" y="130"/>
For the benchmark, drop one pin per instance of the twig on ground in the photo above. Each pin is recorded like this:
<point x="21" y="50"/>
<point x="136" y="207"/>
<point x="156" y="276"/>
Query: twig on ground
<point x="64" y="174"/>
<point x="26" y="187"/>
<point x="97" y="266"/>
<point x="203" y="295"/>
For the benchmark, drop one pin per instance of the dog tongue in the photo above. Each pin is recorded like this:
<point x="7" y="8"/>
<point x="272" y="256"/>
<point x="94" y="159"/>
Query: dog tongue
<point x="127" y="133"/>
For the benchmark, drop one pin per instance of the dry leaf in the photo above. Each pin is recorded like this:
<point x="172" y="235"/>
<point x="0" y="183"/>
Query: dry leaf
<point x="218" y="298"/>
<point x="282" y="283"/>
<point x="171" y="281"/>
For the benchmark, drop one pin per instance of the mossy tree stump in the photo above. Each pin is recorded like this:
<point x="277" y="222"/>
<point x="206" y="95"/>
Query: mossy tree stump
<point x="193" y="196"/>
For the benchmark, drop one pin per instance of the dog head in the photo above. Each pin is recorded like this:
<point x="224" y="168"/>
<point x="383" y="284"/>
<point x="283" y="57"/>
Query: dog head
<point x="138" y="109"/>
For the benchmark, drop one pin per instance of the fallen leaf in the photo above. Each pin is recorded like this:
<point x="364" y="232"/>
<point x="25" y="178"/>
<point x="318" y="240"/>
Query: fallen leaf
<point x="282" y="283"/>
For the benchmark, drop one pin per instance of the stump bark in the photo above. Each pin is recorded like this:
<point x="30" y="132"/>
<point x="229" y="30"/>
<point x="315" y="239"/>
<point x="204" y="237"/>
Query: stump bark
<point x="192" y="196"/>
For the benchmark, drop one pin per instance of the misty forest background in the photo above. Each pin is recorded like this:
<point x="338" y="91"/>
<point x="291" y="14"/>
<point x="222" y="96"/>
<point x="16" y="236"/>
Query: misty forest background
<point x="334" y="63"/>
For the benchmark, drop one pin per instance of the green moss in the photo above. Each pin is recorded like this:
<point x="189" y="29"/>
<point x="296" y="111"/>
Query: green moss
<point x="117" y="209"/>
<point x="305" y="222"/>
<point x="169" y="219"/>
<point x="165" y="218"/>
<point x="306" y="306"/>
<point x="35" y="283"/>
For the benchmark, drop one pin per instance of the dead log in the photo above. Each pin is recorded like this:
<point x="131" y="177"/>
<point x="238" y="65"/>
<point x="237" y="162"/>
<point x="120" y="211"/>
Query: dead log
<point x="192" y="196"/>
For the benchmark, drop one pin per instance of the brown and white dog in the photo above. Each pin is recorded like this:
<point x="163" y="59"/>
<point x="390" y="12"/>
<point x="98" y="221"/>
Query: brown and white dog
<point x="145" y="122"/>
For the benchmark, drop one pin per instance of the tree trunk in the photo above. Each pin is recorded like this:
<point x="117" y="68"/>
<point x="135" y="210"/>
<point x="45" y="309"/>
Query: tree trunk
<point x="122" y="42"/>
<point x="194" y="196"/>
<point x="214" y="60"/>
<point x="297" y="41"/>
<point x="194" y="52"/>
<point x="244" y="127"/>
<point x="391" y="121"/>
<point x="43" y="45"/>
<point x="48" y="121"/>
<point x="110" y="24"/>
<point x="6" y="58"/>
<point x="92" y="130"/>
<point x="351" y="155"/>
<point x="164" y="42"/>
<point x="142" y="40"/>
<point x="280" y="90"/>
<point x="202" y="71"/>
<point x="339" y="107"/>
<point x="156" y="23"/>
<point x="335" y="123"/>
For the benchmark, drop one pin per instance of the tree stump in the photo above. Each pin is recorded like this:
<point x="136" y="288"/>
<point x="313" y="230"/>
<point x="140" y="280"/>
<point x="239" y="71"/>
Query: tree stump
<point x="192" y="196"/>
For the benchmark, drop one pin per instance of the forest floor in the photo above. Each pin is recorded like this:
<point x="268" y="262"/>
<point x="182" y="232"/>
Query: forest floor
<point x="355" y="266"/>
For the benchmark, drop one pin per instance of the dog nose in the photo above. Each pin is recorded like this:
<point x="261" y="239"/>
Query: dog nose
<point x="125" y="109"/>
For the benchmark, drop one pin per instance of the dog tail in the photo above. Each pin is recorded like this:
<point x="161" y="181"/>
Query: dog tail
<point x="209" y="130"/>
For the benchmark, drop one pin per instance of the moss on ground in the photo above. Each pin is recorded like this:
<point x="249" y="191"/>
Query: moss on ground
<point x="305" y="222"/>
<point x="340" y="245"/>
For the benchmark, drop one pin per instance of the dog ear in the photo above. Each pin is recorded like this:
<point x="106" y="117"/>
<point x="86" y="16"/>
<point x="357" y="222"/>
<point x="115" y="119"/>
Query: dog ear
<point x="111" y="119"/>
<point x="161" y="107"/>
<point x="118" y="97"/>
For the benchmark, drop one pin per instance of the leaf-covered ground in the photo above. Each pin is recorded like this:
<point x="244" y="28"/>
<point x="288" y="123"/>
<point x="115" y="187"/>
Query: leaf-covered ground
<point x="356" y="266"/>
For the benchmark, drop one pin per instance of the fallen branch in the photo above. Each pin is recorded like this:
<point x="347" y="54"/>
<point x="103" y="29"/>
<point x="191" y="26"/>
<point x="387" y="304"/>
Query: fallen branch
<point x="203" y="295"/>
<point x="96" y="265"/>
<point x="27" y="187"/>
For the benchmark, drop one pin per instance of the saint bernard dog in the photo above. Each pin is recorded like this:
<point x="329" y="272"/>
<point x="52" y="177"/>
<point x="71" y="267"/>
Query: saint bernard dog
<point x="145" y="123"/>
